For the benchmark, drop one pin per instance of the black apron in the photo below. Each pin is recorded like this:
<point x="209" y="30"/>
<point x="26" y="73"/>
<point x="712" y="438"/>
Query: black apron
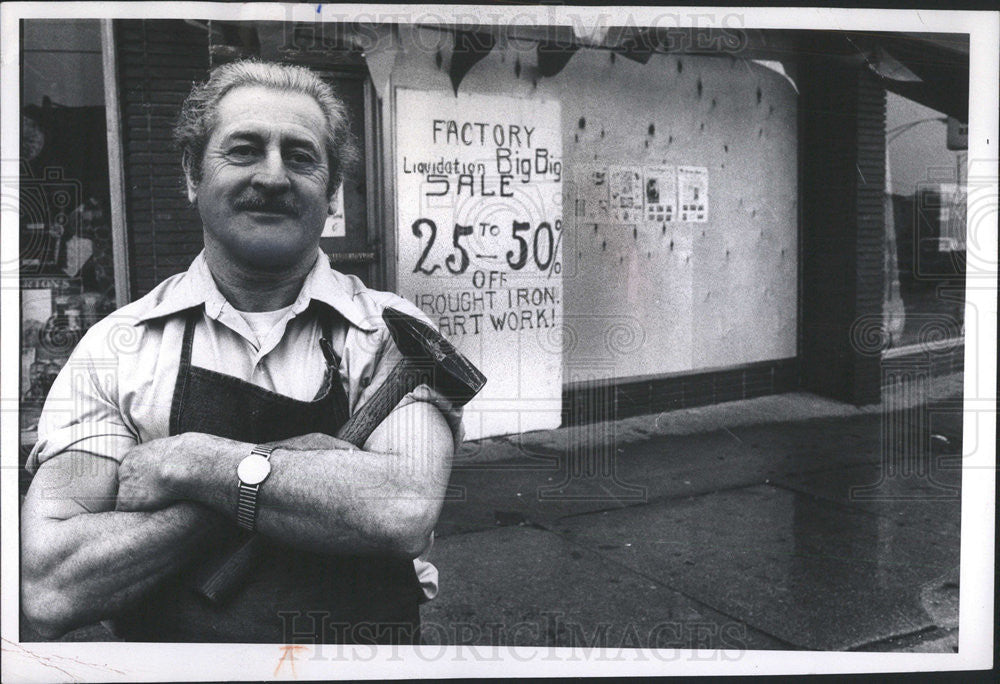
<point x="292" y="596"/>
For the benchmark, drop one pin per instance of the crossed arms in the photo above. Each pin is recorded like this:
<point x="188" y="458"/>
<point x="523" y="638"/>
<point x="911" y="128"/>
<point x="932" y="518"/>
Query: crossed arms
<point x="96" y="534"/>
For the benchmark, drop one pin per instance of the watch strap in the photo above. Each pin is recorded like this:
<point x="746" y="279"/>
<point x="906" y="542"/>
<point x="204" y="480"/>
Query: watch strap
<point x="264" y="450"/>
<point x="246" y="507"/>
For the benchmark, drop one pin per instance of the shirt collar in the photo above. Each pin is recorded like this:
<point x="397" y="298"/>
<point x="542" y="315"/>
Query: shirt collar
<point x="323" y="284"/>
<point x="337" y="291"/>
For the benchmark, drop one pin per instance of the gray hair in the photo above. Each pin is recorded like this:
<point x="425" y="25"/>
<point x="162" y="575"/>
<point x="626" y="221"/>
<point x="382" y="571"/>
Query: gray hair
<point x="197" y="118"/>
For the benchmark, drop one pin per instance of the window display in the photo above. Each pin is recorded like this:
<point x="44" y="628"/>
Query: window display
<point x="66" y="260"/>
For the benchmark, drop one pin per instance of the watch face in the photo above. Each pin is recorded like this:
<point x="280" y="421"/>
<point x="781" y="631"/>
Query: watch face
<point x="253" y="469"/>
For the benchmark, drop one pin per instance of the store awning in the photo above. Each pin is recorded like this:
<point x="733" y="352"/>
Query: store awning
<point x="929" y="68"/>
<point x="942" y="65"/>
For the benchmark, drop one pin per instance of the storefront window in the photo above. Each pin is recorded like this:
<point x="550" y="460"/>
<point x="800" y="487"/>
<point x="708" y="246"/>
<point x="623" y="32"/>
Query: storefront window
<point x="66" y="258"/>
<point x="925" y="223"/>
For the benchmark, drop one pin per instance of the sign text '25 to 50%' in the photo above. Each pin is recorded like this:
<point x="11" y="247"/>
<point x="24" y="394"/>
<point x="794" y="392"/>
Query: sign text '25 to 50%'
<point x="540" y="244"/>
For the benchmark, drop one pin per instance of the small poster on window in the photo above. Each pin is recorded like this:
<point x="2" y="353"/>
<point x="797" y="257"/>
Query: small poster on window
<point x="692" y="193"/>
<point x="626" y="194"/>
<point x="592" y="202"/>
<point x="661" y="193"/>
<point x="335" y="225"/>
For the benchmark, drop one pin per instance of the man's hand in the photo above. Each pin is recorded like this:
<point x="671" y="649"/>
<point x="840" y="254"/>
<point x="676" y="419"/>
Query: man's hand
<point x="323" y="494"/>
<point x="147" y="471"/>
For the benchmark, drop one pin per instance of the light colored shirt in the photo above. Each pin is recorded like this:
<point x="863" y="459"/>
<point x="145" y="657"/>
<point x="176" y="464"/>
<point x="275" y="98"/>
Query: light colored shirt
<point x="116" y="388"/>
<point x="261" y="322"/>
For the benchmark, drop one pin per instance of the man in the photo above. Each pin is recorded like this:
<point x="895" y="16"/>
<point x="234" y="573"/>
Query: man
<point x="211" y="402"/>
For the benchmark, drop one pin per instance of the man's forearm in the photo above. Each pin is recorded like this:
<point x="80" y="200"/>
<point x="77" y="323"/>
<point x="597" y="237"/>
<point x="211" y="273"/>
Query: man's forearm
<point x="93" y="565"/>
<point x="383" y="501"/>
<point x="333" y="501"/>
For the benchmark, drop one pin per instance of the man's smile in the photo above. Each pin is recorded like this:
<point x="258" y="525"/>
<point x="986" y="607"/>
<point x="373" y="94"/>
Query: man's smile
<point x="268" y="216"/>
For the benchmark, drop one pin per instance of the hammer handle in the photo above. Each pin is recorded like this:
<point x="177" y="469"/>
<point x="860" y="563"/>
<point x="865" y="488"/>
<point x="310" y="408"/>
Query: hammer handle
<point x="219" y="579"/>
<point x="403" y="379"/>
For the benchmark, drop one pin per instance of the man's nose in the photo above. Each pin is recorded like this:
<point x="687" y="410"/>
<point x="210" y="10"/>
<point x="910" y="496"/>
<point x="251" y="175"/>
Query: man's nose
<point x="271" y="174"/>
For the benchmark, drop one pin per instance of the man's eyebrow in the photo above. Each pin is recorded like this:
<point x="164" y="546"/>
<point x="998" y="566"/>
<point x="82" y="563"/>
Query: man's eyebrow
<point x="293" y="140"/>
<point x="243" y="134"/>
<point x="288" y="140"/>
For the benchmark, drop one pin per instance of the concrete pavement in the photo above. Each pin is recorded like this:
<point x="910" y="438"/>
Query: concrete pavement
<point x="773" y="523"/>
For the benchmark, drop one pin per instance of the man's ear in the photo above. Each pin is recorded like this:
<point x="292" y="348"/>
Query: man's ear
<point x="192" y="188"/>
<point x="332" y="206"/>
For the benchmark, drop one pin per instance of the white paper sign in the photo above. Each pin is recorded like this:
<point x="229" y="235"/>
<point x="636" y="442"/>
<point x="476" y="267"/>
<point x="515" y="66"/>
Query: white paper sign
<point x="335" y="225"/>
<point x="626" y="194"/>
<point x="661" y="193"/>
<point x="692" y="193"/>
<point x="591" y="196"/>
<point x="479" y="235"/>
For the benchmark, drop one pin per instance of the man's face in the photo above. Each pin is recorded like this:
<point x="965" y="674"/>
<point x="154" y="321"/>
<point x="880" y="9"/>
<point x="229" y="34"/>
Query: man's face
<point x="264" y="178"/>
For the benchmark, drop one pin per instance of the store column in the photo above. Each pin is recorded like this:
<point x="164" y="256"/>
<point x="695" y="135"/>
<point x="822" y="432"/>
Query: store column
<point x="842" y="171"/>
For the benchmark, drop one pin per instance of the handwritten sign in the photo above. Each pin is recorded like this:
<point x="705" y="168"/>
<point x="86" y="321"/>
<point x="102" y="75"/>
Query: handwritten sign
<point x="479" y="243"/>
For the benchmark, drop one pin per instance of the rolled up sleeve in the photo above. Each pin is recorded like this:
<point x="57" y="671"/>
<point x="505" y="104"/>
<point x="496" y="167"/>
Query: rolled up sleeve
<point x="81" y="412"/>
<point x="452" y="414"/>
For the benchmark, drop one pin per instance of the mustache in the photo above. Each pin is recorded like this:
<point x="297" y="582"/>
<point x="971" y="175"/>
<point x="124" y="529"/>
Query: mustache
<point x="251" y="200"/>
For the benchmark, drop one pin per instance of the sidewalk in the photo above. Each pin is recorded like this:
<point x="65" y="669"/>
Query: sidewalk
<point x="746" y="536"/>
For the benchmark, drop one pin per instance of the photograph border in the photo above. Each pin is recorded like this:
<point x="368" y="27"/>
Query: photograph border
<point x="206" y="662"/>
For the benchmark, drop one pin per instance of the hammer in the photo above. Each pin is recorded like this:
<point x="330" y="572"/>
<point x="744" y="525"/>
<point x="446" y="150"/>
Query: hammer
<point x="428" y="359"/>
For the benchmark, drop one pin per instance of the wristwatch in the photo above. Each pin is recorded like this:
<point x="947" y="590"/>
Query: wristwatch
<point x="252" y="471"/>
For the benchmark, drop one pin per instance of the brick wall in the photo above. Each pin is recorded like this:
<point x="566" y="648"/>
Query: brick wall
<point x="842" y="124"/>
<point x="869" y="215"/>
<point x="158" y="61"/>
<point x="601" y="400"/>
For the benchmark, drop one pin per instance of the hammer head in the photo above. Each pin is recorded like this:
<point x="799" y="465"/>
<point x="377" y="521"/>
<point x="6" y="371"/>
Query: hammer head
<point x="454" y="376"/>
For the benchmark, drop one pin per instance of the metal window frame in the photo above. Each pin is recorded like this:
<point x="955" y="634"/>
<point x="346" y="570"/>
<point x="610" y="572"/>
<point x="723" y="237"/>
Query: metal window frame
<point x="116" y="166"/>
